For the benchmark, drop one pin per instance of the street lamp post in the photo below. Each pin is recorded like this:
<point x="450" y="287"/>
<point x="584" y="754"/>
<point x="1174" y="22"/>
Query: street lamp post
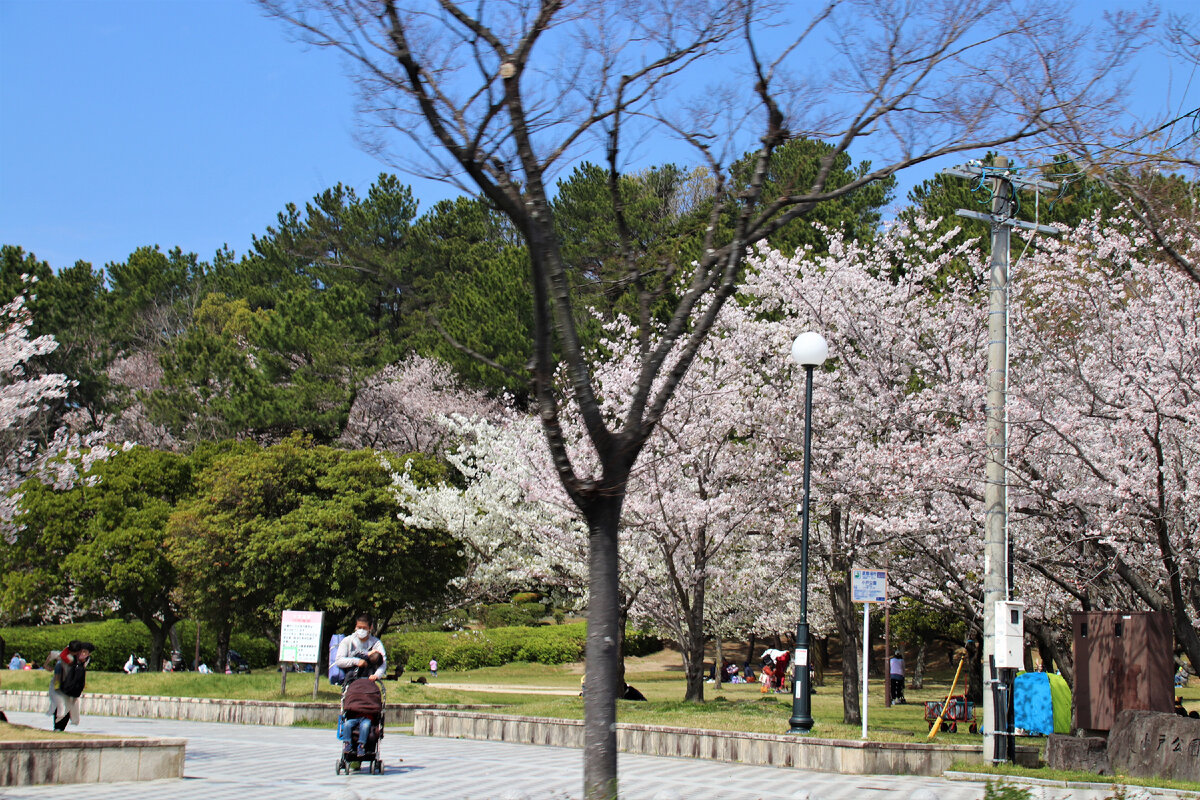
<point x="809" y="351"/>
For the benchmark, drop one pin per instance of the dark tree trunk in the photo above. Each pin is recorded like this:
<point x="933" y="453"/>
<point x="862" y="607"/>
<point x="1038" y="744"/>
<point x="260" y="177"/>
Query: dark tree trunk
<point x="224" y="633"/>
<point x="622" y="623"/>
<point x="1052" y="658"/>
<point x="693" y="657"/>
<point x="719" y="659"/>
<point x="158" y="637"/>
<point x="919" y="667"/>
<point x="820" y="654"/>
<point x="176" y="646"/>
<point x="603" y="656"/>
<point x="846" y="619"/>
<point x="841" y="560"/>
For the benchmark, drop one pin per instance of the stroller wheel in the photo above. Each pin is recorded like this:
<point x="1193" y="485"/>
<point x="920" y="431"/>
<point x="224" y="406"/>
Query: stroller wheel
<point x="337" y="769"/>
<point x="377" y="766"/>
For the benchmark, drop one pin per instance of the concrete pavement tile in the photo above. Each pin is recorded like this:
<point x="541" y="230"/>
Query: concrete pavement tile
<point x="243" y="762"/>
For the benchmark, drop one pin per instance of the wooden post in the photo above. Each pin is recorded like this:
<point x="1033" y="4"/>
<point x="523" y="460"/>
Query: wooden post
<point x="283" y="684"/>
<point x="887" y="651"/>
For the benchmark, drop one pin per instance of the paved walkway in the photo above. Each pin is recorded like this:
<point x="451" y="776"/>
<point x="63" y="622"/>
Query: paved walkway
<point x="246" y="762"/>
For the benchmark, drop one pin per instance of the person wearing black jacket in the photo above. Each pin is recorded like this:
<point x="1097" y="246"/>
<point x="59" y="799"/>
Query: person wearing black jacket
<point x="70" y="675"/>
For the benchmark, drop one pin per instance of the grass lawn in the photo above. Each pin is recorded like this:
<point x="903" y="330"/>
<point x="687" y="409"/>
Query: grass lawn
<point x="732" y="707"/>
<point x="24" y="733"/>
<point x="738" y="707"/>
<point x="1047" y="774"/>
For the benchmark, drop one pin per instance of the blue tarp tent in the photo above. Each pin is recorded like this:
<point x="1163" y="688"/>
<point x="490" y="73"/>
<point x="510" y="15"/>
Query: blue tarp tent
<point x="1041" y="703"/>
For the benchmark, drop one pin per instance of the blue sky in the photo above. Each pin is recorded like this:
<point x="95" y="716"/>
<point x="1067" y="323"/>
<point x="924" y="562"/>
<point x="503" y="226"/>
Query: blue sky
<point x="192" y="123"/>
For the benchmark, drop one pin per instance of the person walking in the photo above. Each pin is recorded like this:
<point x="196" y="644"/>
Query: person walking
<point x="433" y="667"/>
<point x="353" y="651"/>
<point x="66" y="685"/>
<point x="896" y="676"/>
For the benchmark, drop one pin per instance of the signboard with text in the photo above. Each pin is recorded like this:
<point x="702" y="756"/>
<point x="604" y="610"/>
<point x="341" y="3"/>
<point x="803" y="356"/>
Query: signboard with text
<point x="300" y="636"/>
<point x="868" y="586"/>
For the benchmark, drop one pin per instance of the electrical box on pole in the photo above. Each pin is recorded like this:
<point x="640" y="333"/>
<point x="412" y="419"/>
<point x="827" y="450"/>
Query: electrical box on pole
<point x="1010" y="635"/>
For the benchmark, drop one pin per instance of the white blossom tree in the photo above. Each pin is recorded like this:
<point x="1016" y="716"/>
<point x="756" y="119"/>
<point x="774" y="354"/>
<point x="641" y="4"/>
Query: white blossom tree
<point x="400" y="409"/>
<point x="24" y="397"/>
<point x="27" y="447"/>
<point x="1108" y="385"/>
<point x="502" y="96"/>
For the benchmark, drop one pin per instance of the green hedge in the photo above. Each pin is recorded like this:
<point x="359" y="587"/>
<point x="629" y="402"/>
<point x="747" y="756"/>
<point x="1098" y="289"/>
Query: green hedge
<point x="511" y="615"/>
<point x="115" y="639"/>
<point x="461" y="650"/>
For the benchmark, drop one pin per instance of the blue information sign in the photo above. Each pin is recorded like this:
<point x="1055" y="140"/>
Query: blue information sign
<point x="868" y="586"/>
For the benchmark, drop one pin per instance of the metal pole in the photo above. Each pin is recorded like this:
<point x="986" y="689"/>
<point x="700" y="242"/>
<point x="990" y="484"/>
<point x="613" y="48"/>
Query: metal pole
<point x="801" y="720"/>
<point x="865" y="666"/>
<point x="887" y="645"/>
<point x="995" y="568"/>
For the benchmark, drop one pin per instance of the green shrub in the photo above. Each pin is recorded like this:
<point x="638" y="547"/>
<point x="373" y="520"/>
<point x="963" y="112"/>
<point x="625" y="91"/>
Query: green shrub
<point x="640" y="643"/>
<point x="999" y="790"/>
<point x="494" y="647"/>
<point x="115" y="639"/>
<point x="511" y="615"/>
<point x="526" y="597"/>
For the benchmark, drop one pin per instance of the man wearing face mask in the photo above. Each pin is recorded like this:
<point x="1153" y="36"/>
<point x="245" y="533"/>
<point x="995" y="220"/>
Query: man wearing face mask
<point x="353" y="651"/>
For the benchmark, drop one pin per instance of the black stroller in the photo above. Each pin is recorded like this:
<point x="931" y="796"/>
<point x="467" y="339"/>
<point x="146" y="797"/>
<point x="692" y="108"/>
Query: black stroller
<point x="362" y="699"/>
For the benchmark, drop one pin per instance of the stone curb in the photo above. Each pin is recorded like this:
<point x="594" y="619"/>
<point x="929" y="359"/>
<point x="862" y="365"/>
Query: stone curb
<point x="90" y="761"/>
<point x="983" y="777"/>
<point x="208" y="709"/>
<point x="760" y="749"/>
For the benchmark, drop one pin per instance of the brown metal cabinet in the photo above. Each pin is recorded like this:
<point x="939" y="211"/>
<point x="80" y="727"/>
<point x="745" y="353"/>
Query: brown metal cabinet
<point x="1123" y="660"/>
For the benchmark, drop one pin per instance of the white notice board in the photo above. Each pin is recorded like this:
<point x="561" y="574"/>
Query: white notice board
<point x="868" y="586"/>
<point x="300" y="636"/>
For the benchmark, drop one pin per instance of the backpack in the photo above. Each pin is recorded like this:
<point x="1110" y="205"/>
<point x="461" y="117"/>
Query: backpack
<point x="362" y="698"/>
<point x="336" y="675"/>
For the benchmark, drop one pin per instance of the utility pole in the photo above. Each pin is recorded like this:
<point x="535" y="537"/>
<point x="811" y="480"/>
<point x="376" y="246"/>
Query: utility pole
<point x="997" y="561"/>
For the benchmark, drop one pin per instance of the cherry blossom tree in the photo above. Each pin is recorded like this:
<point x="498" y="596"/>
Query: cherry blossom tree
<point x="701" y="546"/>
<point x="1110" y="408"/>
<point x="1105" y="353"/>
<point x="27" y="448"/>
<point x="896" y="414"/>
<point x="503" y="96"/>
<point x="24" y="397"/>
<point x="399" y="410"/>
<point x="139" y="374"/>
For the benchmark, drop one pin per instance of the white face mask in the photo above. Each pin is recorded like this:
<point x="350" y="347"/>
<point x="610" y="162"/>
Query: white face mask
<point x="362" y="633"/>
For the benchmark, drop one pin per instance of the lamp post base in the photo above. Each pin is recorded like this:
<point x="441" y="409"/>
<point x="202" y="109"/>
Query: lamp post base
<point x="801" y="721"/>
